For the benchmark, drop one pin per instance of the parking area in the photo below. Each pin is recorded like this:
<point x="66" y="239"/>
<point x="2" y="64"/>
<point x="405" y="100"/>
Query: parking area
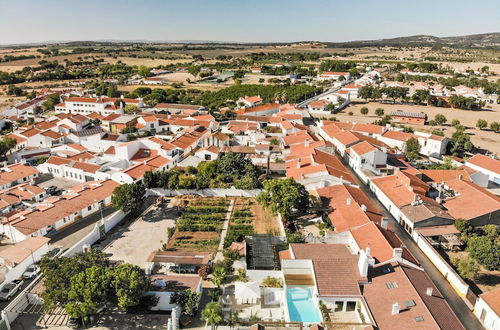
<point x="45" y="181"/>
<point x="133" y="243"/>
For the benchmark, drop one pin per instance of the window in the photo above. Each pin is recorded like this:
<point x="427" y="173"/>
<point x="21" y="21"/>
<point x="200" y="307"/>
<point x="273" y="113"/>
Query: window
<point x="419" y="319"/>
<point x="483" y="315"/>
<point x="89" y="208"/>
<point x="391" y="285"/>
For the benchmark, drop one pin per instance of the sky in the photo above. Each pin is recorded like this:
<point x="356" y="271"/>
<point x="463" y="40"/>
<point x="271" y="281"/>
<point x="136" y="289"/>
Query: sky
<point x="24" y="21"/>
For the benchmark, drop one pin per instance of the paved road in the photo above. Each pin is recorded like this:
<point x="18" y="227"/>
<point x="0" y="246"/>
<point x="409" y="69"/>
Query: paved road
<point x="70" y="235"/>
<point x="4" y="304"/>
<point x="454" y="300"/>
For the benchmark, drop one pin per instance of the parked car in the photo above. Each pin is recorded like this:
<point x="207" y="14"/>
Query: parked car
<point x="10" y="289"/>
<point x="74" y="322"/>
<point x="52" y="253"/>
<point x="32" y="271"/>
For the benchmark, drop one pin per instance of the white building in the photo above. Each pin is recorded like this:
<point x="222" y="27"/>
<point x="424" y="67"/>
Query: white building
<point x="487" y="309"/>
<point x="101" y="105"/>
<point x="15" y="259"/>
<point x="485" y="165"/>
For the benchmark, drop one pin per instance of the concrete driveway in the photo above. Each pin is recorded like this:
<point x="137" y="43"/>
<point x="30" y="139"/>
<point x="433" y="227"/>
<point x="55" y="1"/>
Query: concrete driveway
<point x="134" y="243"/>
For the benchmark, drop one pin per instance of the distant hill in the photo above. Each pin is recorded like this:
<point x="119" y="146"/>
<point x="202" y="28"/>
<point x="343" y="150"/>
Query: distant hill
<point x="485" y="40"/>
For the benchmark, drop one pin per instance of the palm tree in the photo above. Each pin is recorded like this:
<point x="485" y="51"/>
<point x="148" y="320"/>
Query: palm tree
<point x="233" y="319"/>
<point x="218" y="276"/>
<point x="212" y="314"/>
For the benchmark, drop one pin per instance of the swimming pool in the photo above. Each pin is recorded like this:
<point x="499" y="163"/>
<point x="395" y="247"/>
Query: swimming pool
<point x="301" y="307"/>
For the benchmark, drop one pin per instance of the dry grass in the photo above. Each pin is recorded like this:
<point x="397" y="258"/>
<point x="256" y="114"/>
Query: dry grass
<point x="486" y="280"/>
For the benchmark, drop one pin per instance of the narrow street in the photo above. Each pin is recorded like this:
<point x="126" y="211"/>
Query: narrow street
<point x="456" y="303"/>
<point x="70" y="235"/>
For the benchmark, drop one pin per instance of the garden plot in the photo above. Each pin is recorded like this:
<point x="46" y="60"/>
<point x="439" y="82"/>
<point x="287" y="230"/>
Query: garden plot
<point x="199" y="225"/>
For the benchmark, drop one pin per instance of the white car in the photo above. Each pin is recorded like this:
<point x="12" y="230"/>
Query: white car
<point x="32" y="271"/>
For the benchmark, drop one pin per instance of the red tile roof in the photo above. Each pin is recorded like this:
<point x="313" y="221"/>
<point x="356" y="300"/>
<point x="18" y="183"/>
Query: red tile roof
<point x="363" y="148"/>
<point x="492" y="298"/>
<point x="485" y="162"/>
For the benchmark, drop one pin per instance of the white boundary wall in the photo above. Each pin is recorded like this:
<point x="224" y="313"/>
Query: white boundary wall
<point x="109" y="222"/>
<point x="449" y="273"/>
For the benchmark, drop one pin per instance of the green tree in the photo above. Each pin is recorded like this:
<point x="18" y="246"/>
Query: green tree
<point x="188" y="300"/>
<point x="59" y="271"/>
<point x="412" y="148"/>
<point x="481" y="124"/>
<point x="88" y="292"/>
<point x="379" y="112"/>
<point x="437" y="132"/>
<point x="440" y="119"/>
<point x="14" y="90"/>
<point x="130" y="109"/>
<point x="467" y="268"/>
<point x="194" y="70"/>
<point x="284" y="196"/>
<point x="6" y="144"/>
<point x="420" y="96"/>
<point x="129" y="283"/>
<point x="464" y="227"/>
<point x="461" y="142"/>
<point x="218" y="276"/>
<point x="212" y="314"/>
<point x="491" y="230"/>
<point x="455" y="122"/>
<point x="364" y="110"/>
<point x="51" y="102"/>
<point x="144" y="71"/>
<point x="128" y="197"/>
<point x="485" y="250"/>
<point x="495" y="126"/>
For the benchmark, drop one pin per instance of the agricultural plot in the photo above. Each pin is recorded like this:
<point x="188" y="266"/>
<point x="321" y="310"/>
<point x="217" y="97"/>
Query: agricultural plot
<point x="199" y="225"/>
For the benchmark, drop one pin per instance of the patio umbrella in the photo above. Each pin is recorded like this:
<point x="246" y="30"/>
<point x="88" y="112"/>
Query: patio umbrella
<point x="247" y="292"/>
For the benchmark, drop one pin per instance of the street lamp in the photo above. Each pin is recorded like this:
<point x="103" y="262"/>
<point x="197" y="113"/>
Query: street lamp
<point x="32" y="258"/>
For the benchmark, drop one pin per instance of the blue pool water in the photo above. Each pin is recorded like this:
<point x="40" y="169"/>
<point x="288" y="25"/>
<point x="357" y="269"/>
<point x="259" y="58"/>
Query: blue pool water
<point x="301" y="306"/>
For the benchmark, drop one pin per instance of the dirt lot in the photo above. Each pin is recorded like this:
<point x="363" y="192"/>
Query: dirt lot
<point x="262" y="220"/>
<point x="481" y="138"/>
<point x="134" y="243"/>
<point x="487" y="280"/>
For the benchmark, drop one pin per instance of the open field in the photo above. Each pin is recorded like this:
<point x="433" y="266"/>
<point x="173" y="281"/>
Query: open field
<point x="481" y="138"/>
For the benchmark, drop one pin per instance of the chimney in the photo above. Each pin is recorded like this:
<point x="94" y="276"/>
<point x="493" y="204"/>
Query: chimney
<point x="363" y="207"/>
<point x="306" y="143"/>
<point x="460" y="177"/>
<point x="348" y="201"/>
<point x="397" y="253"/>
<point x="395" y="309"/>
<point x="384" y="222"/>
<point x="429" y="292"/>
<point x="298" y="163"/>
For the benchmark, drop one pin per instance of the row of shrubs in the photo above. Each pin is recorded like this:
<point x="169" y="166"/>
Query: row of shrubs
<point x="206" y="209"/>
<point x="236" y="233"/>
